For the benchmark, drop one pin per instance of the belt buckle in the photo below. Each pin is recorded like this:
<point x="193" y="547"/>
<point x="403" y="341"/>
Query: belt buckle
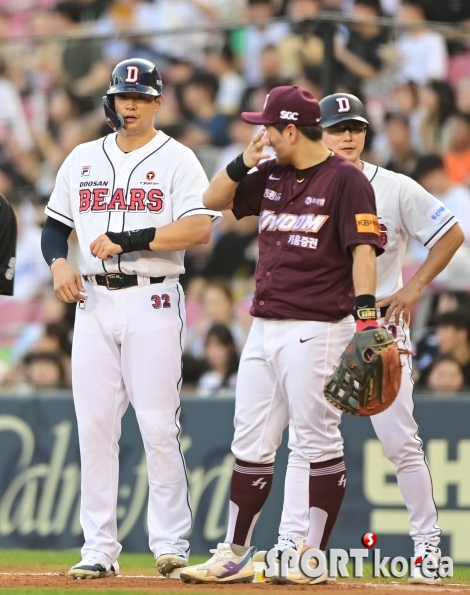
<point x="113" y="276"/>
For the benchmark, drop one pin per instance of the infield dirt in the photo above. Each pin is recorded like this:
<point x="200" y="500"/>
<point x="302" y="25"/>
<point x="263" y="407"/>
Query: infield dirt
<point x="25" y="580"/>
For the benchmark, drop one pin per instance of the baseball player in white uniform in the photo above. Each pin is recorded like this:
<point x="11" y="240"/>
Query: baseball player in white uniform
<point x="135" y="200"/>
<point x="404" y="210"/>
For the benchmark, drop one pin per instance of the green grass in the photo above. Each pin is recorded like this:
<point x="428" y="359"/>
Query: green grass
<point x="461" y="575"/>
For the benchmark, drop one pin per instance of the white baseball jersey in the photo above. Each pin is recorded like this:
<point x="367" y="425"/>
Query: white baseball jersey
<point x="100" y="188"/>
<point x="404" y="208"/>
<point x="133" y="337"/>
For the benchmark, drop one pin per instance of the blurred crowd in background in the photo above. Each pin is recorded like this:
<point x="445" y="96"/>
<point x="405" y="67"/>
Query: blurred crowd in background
<point x="414" y="81"/>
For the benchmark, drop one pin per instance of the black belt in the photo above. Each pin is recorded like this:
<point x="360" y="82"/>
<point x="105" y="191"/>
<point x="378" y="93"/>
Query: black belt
<point x="114" y="281"/>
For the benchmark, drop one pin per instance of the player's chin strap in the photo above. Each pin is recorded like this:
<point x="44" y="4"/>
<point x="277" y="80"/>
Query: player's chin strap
<point x="113" y="119"/>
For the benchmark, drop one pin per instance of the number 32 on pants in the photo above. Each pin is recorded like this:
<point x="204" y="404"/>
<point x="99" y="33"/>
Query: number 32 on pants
<point x="161" y="301"/>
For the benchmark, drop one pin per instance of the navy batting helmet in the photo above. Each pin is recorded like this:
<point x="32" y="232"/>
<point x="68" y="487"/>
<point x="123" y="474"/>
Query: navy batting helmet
<point x="341" y="107"/>
<point x="130" y="76"/>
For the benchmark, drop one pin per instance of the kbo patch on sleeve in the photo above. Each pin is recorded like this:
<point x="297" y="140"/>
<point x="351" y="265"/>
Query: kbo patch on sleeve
<point x="367" y="223"/>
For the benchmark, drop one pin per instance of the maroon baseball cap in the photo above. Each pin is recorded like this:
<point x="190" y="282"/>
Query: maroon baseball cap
<point x="287" y="105"/>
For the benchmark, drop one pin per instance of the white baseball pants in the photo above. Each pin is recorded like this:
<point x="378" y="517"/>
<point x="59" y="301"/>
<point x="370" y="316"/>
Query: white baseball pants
<point x="282" y="372"/>
<point x="127" y="350"/>
<point x="398" y="431"/>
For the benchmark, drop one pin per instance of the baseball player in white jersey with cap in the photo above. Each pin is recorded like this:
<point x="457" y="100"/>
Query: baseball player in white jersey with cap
<point x="135" y="200"/>
<point x="404" y="210"/>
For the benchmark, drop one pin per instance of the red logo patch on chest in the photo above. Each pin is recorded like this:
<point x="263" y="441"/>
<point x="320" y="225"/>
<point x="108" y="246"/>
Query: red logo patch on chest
<point x="383" y="234"/>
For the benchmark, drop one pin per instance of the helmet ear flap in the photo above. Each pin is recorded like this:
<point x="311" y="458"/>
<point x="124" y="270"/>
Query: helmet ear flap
<point x="111" y="102"/>
<point x="114" y="120"/>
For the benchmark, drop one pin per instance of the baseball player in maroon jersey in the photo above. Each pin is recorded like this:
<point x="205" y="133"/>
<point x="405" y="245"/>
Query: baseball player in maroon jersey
<point x="319" y="236"/>
<point x="404" y="210"/>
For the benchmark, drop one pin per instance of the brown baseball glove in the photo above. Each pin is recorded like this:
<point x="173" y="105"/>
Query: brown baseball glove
<point x="368" y="377"/>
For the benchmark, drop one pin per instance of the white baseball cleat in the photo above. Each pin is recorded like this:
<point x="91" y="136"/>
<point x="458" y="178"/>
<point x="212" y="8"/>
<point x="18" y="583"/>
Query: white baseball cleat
<point x="289" y="541"/>
<point x="168" y="564"/>
<point x="426" y="552"/>
<point x="259" y="559"/>
<point x="92" y="568"/>
<point x="224" y="567"/>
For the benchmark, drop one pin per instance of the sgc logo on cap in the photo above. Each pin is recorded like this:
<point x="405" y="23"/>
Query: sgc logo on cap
<point x="289" y="115"/>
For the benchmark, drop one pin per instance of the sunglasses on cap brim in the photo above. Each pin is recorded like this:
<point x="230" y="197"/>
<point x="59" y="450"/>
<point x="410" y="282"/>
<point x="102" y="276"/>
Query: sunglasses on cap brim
<point x="353" y="127"/>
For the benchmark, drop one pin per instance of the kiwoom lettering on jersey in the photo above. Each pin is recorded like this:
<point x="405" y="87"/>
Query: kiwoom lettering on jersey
<point x="138" y="200"/>
<point x="367" y="223"/>
<point x="270" y="221"/>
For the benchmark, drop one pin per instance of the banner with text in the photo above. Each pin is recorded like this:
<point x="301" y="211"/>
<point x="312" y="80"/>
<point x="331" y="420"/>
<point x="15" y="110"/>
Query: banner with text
<point x="40" y="478"/>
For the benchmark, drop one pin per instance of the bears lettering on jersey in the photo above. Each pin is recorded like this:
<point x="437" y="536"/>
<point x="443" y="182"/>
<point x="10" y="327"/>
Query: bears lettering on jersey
<point x="139" y="200"/>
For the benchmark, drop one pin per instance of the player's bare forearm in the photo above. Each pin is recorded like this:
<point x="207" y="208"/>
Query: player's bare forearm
<point x="438" y="258"/>
<point x="364" y="271"/>
<point x="68" y="284"/>
<point x="219" y="195"/>
<point x="183" y="234"/>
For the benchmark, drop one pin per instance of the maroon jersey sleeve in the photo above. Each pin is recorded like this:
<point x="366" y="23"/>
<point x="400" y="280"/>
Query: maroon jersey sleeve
<point x="357" y="217"/>
<point x="249" y="194"/>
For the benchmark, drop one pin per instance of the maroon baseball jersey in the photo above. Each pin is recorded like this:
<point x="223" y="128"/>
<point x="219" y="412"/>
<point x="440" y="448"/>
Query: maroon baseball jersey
<point x="309" y="220"/>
